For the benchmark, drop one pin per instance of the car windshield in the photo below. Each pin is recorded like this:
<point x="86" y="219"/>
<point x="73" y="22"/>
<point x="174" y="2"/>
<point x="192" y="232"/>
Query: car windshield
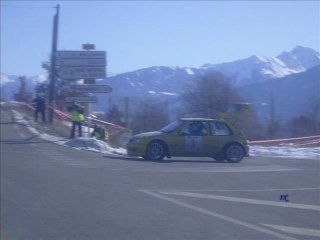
<point x="171" y="127"/>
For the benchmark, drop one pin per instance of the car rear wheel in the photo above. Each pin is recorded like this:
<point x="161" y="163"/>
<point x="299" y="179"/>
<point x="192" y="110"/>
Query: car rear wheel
<point x="155" y="151"/>
<point x="234" y="153"/>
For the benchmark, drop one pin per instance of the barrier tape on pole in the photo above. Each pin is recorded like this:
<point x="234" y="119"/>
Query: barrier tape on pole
<point x="108" y="124"/>
<point x="305" y="143"/>
<point x="283" y="140"/>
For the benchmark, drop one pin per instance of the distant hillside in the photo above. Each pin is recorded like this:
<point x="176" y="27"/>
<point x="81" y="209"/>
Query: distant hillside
<point x="291" y="95"/>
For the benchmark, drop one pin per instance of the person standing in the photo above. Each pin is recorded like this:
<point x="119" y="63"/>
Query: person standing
<point x="40" y="107"/>
<point x="77" y="118"/>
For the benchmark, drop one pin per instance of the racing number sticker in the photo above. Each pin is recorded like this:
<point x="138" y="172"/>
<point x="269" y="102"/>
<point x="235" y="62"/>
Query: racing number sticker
<point x="193" y="143"/>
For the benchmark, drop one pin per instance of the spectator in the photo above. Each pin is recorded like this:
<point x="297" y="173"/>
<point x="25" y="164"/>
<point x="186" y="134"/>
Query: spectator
<point x="40" y="107"/>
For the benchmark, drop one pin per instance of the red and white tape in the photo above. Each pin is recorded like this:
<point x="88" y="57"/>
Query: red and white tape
<point x="284" y="139"/>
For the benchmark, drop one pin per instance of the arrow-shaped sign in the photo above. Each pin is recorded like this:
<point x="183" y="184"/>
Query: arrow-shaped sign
<point x="84" y="99"/>
<point x="92" y="88"/>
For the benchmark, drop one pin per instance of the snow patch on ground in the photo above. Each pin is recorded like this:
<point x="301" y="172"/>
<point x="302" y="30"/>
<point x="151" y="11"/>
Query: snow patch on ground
<point x="92" y="144"/>
<point x="89" y="144"/>
<point x="292" y="152"/>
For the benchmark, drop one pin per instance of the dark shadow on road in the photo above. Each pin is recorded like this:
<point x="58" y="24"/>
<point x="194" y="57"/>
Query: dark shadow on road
<point x="5" y="123"/>
<point x="25" y="141"/>
<point x="136" y="159"/>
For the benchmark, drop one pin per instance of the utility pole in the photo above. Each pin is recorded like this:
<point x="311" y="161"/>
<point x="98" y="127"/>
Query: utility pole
<point x="89" y="47"/>
<point x="53" y="64"/>
<point x="126" y="111"/>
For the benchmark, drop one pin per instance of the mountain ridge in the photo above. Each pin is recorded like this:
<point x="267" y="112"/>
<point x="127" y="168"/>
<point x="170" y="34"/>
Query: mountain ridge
<point x="168" y="82"/>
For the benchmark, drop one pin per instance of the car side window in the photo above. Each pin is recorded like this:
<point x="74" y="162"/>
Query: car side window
<point x="219" y="129"/>
<point x="195" y="129"/>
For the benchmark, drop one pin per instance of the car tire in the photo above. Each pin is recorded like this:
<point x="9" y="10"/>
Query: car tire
<point x="156" y="151"/>
<point x="234" y="153"/>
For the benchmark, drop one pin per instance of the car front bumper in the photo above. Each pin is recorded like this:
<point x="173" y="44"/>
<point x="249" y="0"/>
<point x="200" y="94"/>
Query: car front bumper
<point x="136" y="149"/>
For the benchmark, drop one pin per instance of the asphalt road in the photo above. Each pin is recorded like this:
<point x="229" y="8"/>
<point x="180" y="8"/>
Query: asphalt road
<point x="55" y="192"/>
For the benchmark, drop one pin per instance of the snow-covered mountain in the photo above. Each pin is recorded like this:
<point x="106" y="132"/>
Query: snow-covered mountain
<point x="251" y="75"/>
<point x="154" y="80"/>
<point x="259" y="68"/>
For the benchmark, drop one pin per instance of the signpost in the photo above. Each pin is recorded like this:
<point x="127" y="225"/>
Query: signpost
<point x="82" y="99"/>
<point x="75" y="65"/>
<point x="74" y="73"/>
<point x="81" y="62"/>
<point x="87" y="65"/>
<point x="80" y="54"/>
<point x="92" y="88"/>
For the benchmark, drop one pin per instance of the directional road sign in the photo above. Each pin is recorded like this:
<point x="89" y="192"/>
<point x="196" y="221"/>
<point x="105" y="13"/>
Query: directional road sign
<point x="80" y="54"/>
<point x="92" y="88"/>
<point x="72" y="73"/>
<point x="81" y="62"/>
<point x="84" y="99"/>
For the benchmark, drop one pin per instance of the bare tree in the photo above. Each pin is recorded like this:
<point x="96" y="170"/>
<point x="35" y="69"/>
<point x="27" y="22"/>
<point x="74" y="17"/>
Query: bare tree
<point x="209" y="96"/>
<point x="149" y="116"/>
<point x="22" y="95"/>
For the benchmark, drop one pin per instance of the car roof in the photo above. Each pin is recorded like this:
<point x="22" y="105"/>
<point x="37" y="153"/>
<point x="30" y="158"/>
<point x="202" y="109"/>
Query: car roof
<point x="200" y="119"/>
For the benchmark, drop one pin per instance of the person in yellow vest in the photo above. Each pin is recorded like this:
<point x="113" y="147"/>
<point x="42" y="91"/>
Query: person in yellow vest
<point x="77" y="118"/>
<point x="100" y="133"/>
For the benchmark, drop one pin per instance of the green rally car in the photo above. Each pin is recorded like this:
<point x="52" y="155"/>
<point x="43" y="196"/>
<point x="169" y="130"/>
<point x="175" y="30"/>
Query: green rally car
<point x="191" y="137"/>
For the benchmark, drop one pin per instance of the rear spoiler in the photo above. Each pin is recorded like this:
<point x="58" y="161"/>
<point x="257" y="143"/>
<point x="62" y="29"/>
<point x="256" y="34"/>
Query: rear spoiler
<point x="234" y="112"/>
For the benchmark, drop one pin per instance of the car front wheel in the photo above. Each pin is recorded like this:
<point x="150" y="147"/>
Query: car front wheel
<point x="234" y="153"/>
<point x="155" y="151"/>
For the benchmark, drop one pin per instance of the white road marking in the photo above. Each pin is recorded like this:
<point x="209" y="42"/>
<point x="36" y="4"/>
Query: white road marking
<point x="295" y="230"/>
<point x="243" y="190"/>
<point x="243" y="200"/>
<point x="220" y="216"/>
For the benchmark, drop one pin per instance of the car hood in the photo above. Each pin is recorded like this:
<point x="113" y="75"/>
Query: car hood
<point x="149" y="134"/>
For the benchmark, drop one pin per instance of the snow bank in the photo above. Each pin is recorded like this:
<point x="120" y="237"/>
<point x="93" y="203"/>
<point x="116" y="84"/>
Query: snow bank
<point x="90" y="144"/>
<point x="292" y="152"/>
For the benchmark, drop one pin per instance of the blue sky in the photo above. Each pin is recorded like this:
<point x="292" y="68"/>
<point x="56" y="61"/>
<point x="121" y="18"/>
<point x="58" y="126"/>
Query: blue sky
<point x="140" y="34"/>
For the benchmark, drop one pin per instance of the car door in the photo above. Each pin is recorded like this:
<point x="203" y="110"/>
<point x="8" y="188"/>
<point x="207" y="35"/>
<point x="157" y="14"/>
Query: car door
<point x="195" y="135"/>
<point x="220" y="134"/>
<point x="176" y="141"/>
